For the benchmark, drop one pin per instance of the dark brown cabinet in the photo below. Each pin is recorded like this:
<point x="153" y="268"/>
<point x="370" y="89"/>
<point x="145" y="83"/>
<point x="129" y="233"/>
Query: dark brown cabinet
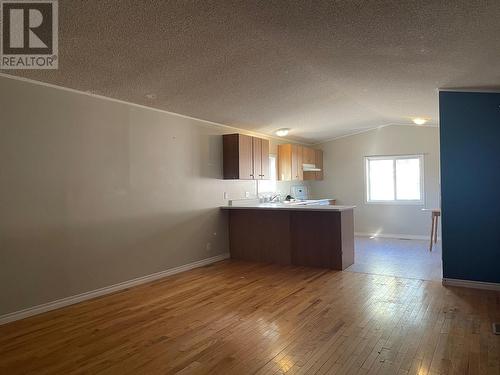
<point x="245" y="157"/>
<point x="265" y="159"/>
<point x="299" y="237"/>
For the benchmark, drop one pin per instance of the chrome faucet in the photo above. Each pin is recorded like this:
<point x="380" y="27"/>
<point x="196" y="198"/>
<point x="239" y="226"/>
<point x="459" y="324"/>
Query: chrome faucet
<point x="275" y="198"/>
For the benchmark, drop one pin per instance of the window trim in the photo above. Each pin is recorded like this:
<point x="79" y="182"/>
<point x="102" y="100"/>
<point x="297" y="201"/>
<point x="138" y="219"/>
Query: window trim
<point x="397" y="202"/>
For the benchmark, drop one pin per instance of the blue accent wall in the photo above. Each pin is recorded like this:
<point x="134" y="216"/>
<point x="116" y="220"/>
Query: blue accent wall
<point x="470" y="185"/>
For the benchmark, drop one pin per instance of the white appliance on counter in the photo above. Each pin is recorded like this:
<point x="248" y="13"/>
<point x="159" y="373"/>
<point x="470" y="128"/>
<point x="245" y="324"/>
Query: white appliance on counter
<point x="299" y="192"/>
<point x="300" y="195"/>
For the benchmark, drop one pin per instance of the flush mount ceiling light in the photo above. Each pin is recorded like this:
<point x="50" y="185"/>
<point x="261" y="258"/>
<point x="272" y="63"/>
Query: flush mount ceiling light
<point x="419" y="120"/>
<point x="283" y="132"/>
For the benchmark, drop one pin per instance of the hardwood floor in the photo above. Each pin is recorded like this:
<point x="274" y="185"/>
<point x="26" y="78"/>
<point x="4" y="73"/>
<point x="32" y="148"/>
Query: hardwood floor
<point x="248" y="318"/>
<point x="396" y="257"/>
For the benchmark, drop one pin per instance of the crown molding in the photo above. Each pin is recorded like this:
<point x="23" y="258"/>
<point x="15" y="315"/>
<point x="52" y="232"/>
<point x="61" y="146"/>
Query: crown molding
<point x="352" y="134"/>
<point x="207" y="122"/>
<point x="375" y="128"/>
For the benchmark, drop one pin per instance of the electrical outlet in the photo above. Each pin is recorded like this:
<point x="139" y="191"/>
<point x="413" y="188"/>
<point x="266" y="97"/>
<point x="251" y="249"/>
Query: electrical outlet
<point x="247" y="194"/>
<point x="209" y="246"/>
<point x="226" y="195"/>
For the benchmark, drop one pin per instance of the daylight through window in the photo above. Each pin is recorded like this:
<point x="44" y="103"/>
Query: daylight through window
<point x="395" y="179"/>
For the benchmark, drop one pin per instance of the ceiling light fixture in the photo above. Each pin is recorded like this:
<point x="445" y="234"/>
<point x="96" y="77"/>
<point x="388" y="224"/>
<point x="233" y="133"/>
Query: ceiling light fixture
<point x="283" y="132"/>
<point x="419" y="120"/>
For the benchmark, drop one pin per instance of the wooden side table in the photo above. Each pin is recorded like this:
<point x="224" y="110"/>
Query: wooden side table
<point x="435" y="213"/>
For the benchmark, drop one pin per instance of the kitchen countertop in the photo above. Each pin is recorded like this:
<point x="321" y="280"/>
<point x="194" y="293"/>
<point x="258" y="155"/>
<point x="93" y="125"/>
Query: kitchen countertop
<point x="288" y="206"/>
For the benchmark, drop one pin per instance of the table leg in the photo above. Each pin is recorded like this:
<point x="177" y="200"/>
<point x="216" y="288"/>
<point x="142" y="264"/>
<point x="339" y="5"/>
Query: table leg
<point x="436" y="229"/>
<point x="432" y="232"/>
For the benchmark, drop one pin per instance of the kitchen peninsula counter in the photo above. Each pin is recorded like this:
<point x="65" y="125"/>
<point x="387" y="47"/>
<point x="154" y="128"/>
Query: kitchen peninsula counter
<point x="289" y="206"/>
<point x="314" y="235"/>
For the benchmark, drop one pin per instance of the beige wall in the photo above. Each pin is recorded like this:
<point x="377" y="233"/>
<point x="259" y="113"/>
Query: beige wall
<point x="344" y="177"/>
<point x="95" y="192"/>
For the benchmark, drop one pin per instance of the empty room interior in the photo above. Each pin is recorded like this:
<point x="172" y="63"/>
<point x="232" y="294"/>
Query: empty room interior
<point x="250" y="187"/>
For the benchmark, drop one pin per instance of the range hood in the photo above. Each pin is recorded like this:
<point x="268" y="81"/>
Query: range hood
<point x="310" y="168"/>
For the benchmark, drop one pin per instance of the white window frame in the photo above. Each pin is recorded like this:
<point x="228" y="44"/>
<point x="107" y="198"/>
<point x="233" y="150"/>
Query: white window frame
<point x="395" y="201"/>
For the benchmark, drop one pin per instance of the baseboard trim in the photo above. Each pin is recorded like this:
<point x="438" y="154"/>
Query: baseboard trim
<point x="395" y="236"/>
<point x="471" y="284"/>
<point x="17" y="315"/>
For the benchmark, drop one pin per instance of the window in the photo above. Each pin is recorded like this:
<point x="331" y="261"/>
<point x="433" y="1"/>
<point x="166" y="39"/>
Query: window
<point x="394" y="179"/>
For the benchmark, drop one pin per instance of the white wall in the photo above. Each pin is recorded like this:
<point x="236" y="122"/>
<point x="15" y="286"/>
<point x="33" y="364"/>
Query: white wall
<point x="95" y="192"/>
<point x="345" y="180"/>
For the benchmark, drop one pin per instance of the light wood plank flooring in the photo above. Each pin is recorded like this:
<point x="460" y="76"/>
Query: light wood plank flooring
<point x="397" y="257"/>
<point x="247" y="318"/>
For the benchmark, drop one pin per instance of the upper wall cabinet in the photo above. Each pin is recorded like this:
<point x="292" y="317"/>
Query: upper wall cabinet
<point x="308" y="155"/>
<point x="245" y="157"/>
<point x="297" y="163"/>
<point x="260" y="152"/>
<point x="290" y="162"/>
<point x="317" y="161"/>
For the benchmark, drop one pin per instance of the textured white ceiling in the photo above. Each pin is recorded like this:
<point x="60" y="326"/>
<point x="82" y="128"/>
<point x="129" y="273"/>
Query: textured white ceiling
<point x="322" y="68"/>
